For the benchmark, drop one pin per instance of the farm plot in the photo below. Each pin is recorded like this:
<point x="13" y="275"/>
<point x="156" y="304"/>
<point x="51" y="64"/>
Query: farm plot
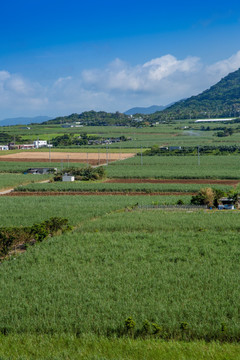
<point x="76" y="208"/>
<point x="177" y="167"/>
<point x="179" y="271"/>
<point x="90" y="158"/>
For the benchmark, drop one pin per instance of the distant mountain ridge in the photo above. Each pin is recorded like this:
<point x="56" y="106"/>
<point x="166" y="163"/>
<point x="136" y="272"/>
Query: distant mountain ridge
<point x="220" y="100"/>
<point x="24" y="120"/>
<point x="146" y="110"/>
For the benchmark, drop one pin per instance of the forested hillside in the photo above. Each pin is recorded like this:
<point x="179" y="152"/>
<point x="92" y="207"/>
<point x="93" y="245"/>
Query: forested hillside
<point x="221" y="100"/>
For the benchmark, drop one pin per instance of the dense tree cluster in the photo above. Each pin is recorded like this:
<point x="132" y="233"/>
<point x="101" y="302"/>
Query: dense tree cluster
<point x="193" y="150"/>
<point x="6" y="138"/>
<point x="94" y="118"/>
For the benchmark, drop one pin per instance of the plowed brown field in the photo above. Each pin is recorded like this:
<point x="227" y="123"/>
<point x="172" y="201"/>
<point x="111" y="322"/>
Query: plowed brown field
<point x="91" y="158"/>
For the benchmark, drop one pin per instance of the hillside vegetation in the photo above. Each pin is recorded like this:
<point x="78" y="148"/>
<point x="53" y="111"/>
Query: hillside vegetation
<point x="222" y="99"/>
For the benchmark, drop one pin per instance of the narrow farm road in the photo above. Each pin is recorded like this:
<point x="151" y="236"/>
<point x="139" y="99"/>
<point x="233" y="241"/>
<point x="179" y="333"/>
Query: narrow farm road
<point x="7" y="191"/>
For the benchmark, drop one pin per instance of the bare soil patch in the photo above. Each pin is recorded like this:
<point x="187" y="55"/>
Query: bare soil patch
<point x="174" y="181"/>
<point x="91" y="158"/>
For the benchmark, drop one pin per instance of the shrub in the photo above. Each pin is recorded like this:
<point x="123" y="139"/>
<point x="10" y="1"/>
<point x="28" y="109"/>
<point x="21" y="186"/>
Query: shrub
<point x="38" y="232"/>
<point x="130" y="325"/>
<point x="156" y="329"/>
<point x="146" y="328"/>
<point x="85" y="174"/>
<point x="205" y="196"/>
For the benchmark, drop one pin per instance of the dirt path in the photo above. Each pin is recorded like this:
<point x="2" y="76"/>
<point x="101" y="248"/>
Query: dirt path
<point x="8" y="191"/>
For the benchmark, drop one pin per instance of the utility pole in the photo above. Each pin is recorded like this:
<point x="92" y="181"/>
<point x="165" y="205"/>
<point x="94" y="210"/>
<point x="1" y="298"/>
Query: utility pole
<point x="49" y="145"/>
<point x="141" y="156"/>
<point x="106" y="154"/>
<point x="198" y="156"/>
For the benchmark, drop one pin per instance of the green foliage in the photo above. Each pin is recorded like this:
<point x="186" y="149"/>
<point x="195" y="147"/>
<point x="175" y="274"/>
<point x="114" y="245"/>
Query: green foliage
<point x="85" y="174"/>
<point x="93" y="118"/>
<point x="6" y="241"/>
<point x="193" y="150"/>
<point x="210" y="197"/>
<point x="205" y="196"/>
<point x="180" y="202"/>
<point x="157" y="330"/>
<point x="129" y="324"/>
<point x="146" y="328"/>
<point x="36" y="232"/>
<point x="6" y="138"/>
<point x="184" y="326"/>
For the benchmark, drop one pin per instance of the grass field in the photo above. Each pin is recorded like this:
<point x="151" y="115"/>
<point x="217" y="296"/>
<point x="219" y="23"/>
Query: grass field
<point x="118" y="187"/>
<point x="181" y="167"/>
<point x="76" y="208"/>
<point x="163" y="266"/>
<point x="62" y="347"/>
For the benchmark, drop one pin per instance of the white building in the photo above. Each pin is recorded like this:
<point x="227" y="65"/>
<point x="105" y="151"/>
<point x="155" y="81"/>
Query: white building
<point x="40" y="143"/>
<point x="67" y="177"/>
<point x="4" y="147"/>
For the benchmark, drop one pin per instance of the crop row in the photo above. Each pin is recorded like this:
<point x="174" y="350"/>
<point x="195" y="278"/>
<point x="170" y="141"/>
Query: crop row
<point x="118" y="187"/>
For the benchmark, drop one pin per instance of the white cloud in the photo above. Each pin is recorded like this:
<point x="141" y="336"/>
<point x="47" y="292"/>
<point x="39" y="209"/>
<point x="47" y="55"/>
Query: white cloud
<point x="116" y="87"/>
<point x="143" y="77"/>
<point x="223" y="67"/>
<point x="62" y="81"/>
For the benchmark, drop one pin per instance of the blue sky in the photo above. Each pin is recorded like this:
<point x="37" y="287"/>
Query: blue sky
<point x="60" y="57"/>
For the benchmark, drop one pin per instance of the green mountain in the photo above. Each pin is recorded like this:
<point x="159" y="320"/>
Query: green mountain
<point x="145" y="110"/>
<point x="220" y="100"/>
<point x="93" y="118"/>
<point x="24" y="120"/>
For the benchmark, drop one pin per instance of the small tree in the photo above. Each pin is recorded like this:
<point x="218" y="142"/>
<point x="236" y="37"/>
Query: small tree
<point x="130" y="325"/>
<point x="205" y="196"/>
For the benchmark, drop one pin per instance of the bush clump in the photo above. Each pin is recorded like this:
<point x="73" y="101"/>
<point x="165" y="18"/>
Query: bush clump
<point x="11" y="237"/>
<point x="85" y="174"/>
